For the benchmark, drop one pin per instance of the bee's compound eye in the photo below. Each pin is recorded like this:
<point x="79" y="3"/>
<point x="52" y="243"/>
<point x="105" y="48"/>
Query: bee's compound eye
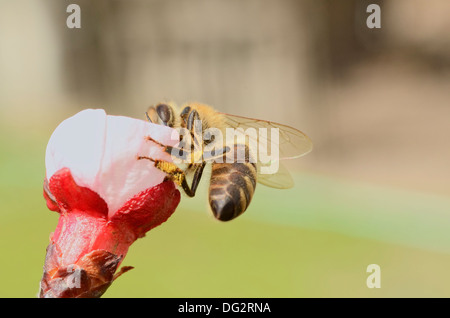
<point x="164" y="112"/>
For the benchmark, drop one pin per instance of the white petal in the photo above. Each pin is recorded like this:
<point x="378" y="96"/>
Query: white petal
<point x="78" y="143"/>
<point x="122" y="175"/>
<point x="101" y="152"/>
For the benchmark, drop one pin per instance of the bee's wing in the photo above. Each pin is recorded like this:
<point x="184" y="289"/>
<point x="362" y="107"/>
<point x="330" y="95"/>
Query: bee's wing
<point x="280" y="180"/>
<point x="292" y="142"/>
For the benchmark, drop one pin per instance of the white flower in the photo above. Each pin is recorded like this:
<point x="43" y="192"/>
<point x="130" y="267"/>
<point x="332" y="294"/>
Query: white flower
<point x="101" y="152"/>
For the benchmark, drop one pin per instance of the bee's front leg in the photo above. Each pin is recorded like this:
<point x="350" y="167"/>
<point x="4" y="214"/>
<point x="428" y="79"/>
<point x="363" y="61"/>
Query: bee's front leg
<point x="175" y="174"/>
<point x="177" y="152"/>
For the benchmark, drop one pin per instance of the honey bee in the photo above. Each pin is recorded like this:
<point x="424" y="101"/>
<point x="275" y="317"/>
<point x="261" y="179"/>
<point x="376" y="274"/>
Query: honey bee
<point x="232" y="182"/>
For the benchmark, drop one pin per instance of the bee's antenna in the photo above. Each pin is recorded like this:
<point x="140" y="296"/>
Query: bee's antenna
<point x="148" y="117"/>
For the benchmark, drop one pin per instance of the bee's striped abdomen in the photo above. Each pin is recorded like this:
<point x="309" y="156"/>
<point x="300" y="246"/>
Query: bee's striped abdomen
<point x="231" y="188"/>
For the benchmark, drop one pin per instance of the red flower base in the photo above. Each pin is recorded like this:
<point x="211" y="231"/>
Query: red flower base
<point x="87" y="246"/>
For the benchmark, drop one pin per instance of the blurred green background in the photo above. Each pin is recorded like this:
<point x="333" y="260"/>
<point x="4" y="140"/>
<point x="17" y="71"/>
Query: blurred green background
<point x="375" y="102"/>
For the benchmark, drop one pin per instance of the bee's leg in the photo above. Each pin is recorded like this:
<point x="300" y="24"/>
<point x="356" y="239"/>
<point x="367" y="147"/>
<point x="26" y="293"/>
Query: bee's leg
<point x="177" y="152"/>
<point x="167" y="149"/>
<point x="197" y="176"/>
<point x="176" y="174"/>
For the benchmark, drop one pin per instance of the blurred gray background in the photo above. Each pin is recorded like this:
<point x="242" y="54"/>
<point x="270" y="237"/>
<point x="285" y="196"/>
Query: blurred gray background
<point x="374" y="101"/>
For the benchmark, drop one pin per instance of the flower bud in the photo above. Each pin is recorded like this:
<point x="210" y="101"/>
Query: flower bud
<point x="106" y="198"/>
